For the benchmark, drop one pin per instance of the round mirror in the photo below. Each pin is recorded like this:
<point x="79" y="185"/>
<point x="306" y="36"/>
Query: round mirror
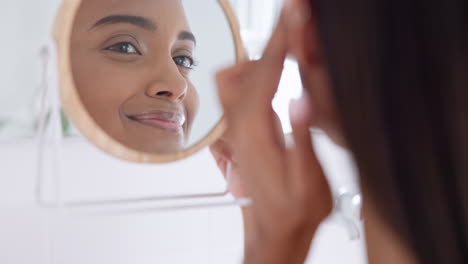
<point x="137" y="77"/>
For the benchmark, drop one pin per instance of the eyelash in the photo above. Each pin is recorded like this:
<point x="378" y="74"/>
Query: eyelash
<point x="115" y="48"/>
<point x="192" y="61"/>
<point x="118" y="48"/>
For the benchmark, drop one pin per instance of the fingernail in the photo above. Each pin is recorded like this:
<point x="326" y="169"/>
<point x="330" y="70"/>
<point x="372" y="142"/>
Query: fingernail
<point x="296" y="14"/>
<point x="300" y="110"/>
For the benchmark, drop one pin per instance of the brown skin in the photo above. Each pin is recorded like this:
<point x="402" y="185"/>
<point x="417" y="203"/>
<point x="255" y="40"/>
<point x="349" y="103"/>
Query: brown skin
<point x="222" y="151"/>
<point x="289" y="182"/>
<point x="128" y="74"/>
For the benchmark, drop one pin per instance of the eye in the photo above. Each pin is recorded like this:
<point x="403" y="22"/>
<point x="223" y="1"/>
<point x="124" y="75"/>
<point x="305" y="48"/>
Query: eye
<point x="184" y="61"/>
<point x="125" y="48"/>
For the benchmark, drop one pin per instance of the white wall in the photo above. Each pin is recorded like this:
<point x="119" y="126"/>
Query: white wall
<point x="24" y="27"/>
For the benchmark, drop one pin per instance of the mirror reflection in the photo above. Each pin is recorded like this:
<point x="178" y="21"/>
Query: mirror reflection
<point x="144" y="70"/>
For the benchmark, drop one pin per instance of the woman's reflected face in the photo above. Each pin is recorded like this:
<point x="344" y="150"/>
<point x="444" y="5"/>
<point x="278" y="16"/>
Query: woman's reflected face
<point x="131" y="62"/>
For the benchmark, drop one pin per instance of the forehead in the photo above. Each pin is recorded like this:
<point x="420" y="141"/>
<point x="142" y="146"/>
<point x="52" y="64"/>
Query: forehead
<point x="163" y="12"/>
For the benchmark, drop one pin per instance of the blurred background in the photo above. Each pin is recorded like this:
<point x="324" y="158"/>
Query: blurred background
<point x="29" y="234"/>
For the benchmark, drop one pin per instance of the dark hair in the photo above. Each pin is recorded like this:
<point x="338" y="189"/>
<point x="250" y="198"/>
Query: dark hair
<point x="400" y="79"/>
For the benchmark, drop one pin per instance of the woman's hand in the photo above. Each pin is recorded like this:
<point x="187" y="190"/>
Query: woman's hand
<point x="291" y="196"/>
<point x="222" y="153"/>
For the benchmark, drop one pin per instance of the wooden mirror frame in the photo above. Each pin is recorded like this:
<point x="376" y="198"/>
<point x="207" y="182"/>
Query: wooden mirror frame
<point x="81" y="119"/>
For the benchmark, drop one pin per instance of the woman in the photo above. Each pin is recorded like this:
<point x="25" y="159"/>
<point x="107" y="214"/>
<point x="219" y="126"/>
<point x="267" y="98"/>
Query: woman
<point x="131" y="62"/>
<point x="386" y="79"/>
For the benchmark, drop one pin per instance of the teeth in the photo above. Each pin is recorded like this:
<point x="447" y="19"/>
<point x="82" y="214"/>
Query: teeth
<point x="180" y="119"/>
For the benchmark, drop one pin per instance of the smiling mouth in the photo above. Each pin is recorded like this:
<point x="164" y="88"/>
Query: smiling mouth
<point x="168" y="121"/>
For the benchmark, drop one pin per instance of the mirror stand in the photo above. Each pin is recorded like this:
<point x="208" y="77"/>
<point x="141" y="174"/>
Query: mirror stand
<point x="49" y="116"/>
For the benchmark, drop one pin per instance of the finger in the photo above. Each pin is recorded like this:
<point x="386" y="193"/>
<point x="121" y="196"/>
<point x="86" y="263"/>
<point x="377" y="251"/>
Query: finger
<point x="276" y="48"/>
<point x="264" y="80"/>
<point x="234" y="94"/>
<point x="260" y="154"/>
<point x="270" y="66"/>
<point x="251" y="118"/>
<point x="306" y="172"/>
<point x="236" y="86"/>
<point x="272" y="155"/>
<point x="230" y="83"/>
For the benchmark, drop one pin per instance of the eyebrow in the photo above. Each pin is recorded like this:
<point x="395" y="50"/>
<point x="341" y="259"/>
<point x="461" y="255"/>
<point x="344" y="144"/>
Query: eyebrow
<point x="138" y="21"/>
<point x="141" y="22"/>
<point x="186" y="35"/>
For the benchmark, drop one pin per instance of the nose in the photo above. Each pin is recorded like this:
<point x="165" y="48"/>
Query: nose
<point x="169" y="85"/>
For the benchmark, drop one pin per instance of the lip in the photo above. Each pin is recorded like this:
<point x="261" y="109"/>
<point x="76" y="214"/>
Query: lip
<point x="170" y="121"/>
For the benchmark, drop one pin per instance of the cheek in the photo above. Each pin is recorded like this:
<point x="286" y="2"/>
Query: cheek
<point x="97" y="88"/>
<point x="103" y="88"/>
